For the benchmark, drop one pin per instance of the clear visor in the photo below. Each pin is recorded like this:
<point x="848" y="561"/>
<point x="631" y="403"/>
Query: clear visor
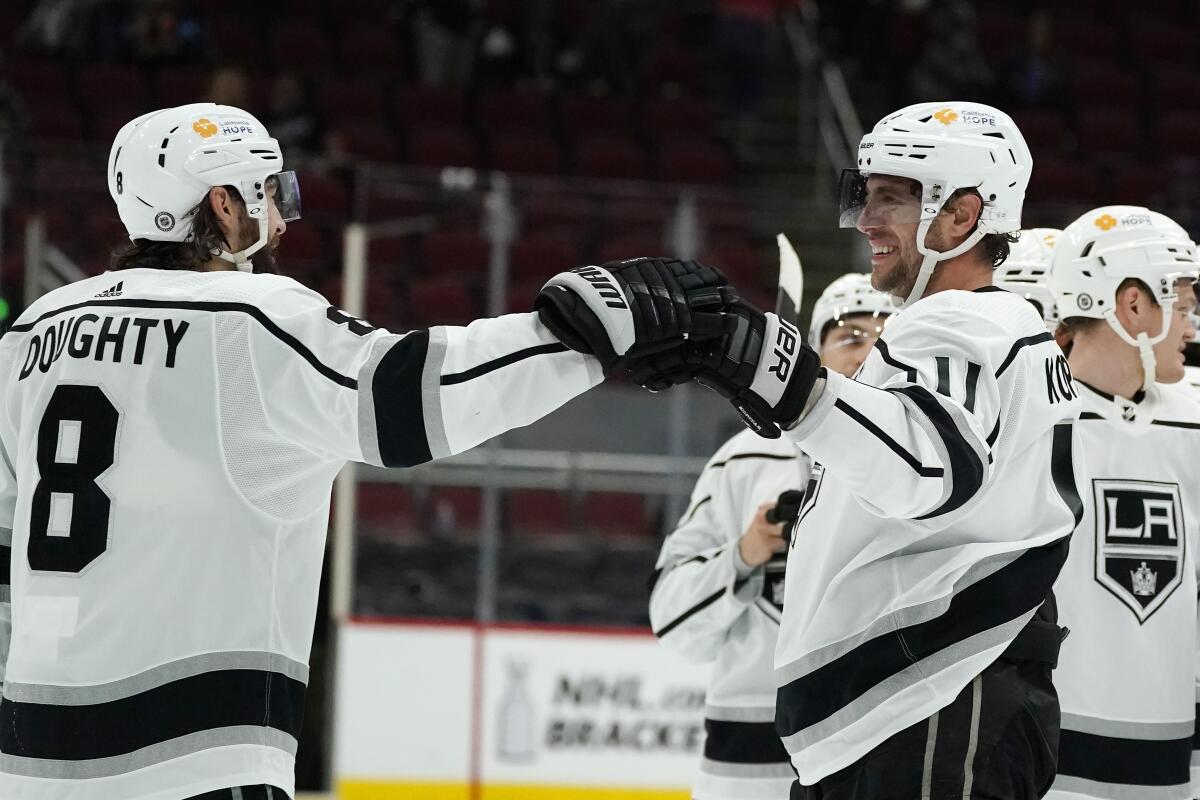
<point x="285" y="188"/>
<point x="876" y="201"/>
<point x="855" y="333"/>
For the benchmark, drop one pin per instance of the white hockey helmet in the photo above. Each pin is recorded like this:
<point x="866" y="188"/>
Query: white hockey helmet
<point x="1108" y="245"/>
<point x="163" y="163"/>
<point x="1026" y="271"/>
<point x="852" y="293"/>
<point x="945" y="147"/>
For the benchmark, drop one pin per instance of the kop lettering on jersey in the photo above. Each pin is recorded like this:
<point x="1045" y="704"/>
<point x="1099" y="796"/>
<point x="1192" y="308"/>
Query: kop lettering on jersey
<point x="91" y="336"/>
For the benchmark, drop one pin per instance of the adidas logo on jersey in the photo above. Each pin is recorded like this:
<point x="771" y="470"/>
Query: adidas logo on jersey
<point x="114" y="291"/>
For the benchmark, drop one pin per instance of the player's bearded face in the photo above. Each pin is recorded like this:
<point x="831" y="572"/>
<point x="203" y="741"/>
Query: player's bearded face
<point x="895" y="260"/>
<point x="264" y="260"/>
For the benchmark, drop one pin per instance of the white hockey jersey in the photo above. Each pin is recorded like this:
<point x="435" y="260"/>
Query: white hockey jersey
<point x="169" y="444"/>
<point x="710" y="606"/>
<point x="1126" y="674"/>
<point x="940" y="514"/>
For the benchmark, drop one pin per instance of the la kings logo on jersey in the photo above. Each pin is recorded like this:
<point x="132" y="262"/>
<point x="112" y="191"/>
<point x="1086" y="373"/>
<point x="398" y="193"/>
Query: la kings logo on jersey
<point x="1140" y="542"/>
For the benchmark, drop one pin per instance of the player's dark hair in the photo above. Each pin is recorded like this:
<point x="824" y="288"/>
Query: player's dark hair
<point x="996" y="246"/>
<point x="197" y="250"/>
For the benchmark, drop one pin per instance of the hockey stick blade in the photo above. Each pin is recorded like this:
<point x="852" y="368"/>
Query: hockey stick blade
<point x="791" y="282"/>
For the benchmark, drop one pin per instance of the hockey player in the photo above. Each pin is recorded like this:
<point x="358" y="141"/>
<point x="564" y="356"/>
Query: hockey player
<point x="916" y="645"/>
<point x="718" y="587"/>
<point x="1025" y="271"/>
<point x="169" y="434"/>
<point x="1122" y="277"/>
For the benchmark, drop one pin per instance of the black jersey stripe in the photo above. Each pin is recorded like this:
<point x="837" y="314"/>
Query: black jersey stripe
<point x="1167" y="423"/>
<point x="399" y="403"/>
<point x="1026" y="341"/>
<point x="745" y="456"/>
<point x="5" y="565"/>
<point x="206" y="305"/>
<point x="205" y="702"/>
<point x="999" y="598"/>
<point x="692" y="511"/>
<point x="503" y="361"/>
<point x="685" y="616"/>
<point x="967" y="469"/>
<point x="1137" y="762"/>
<point x="1062" y="469"/>
<point x="743" y="742"/>
<point x="882" y="347"/>
<point x="892" y="444"/>
<point x="1091" y="415"/>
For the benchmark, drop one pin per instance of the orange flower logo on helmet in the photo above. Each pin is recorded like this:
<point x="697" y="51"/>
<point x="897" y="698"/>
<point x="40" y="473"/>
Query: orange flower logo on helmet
<point x="1105" y="222"/>
<point x="946" y="115"/>
<point x="204" y="127"/>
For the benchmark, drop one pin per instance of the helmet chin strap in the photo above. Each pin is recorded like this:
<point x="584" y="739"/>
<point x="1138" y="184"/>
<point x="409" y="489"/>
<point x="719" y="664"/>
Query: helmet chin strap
<point x="241" y="259"/>
<point x="931" y="259"/>
<point x="1143" y="343"/>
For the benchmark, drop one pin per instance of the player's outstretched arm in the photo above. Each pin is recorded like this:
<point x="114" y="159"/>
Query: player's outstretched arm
<point x="701" y="584"/>
<point x="345" y="390"/>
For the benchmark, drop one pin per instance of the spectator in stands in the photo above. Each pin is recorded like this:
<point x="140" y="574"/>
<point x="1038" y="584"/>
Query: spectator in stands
<point x="163" y="35"/>
<point x="291" y="116"/>
<point x="442" y="31"/>
<point x="743" y="36"/>
<point x="1034" y="75"/>
<point x="951" y="64"/>
<point x="229" y="87"/>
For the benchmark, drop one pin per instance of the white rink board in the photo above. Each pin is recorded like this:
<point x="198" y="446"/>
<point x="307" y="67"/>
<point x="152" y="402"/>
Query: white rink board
<point x="566" y="708"/>
<point x="403" y="702"/>
<point x="542" y="707"/>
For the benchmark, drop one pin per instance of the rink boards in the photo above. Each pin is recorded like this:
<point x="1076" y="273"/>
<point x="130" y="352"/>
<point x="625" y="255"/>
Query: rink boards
<point x="433" y="711"/>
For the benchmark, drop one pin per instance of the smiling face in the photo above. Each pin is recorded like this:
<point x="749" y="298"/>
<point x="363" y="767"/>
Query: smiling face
<point x="889" y="220"/>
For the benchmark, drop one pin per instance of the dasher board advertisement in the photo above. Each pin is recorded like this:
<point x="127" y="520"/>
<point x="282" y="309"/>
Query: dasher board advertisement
<point x="506" y="712"/>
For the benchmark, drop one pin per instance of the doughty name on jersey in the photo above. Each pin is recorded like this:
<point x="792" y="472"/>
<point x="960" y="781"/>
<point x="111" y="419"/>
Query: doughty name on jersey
<point x="91" y="335"/>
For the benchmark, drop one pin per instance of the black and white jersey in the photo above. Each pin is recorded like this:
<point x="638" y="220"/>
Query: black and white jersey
<point x="169" y="443"/>
<point x="1126" y="675"/>
<point x="939" y="514"/>
<point x="711" y="607"/>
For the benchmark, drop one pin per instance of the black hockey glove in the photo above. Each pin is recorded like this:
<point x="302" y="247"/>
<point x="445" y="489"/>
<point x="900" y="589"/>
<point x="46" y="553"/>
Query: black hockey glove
<point x="627" y="309"/>
<point x="763" y="368"/>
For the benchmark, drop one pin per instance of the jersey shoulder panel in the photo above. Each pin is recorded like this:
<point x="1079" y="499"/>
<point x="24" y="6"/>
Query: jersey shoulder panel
<point x="1178" y="402"/>
<point x="991" y="324"/>
<point x="746" y="444"/>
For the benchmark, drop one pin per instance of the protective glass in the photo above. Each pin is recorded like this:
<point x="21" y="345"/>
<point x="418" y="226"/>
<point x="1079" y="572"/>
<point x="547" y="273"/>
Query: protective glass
<point x="859" y="332"/>
<point x="883" y="203"/>
<point x="285" y="187"/>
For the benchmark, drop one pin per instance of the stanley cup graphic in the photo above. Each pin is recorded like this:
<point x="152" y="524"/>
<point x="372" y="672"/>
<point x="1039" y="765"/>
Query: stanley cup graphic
<point x="515" y="734"/>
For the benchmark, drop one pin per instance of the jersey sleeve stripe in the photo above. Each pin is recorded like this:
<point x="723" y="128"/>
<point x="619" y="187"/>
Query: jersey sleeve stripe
<point x="744" y="456"/>
<point x="691" y="612"/>
<point x="733" y="742"/>
<point x="398" y="396"/>
<point x="215" y="307"/>
<point x="967" y="469"/>
<point x="1026" y="341"/>
<point x="892" y="444"/>
<point x="193" y="705"/>
<point x="502" y="361"/>
<point x="987" y="613"/>
<point x="1111" y="760"/>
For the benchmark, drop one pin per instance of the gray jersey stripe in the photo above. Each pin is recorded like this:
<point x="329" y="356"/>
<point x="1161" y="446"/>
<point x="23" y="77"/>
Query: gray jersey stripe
<point x="148" y="756"/>
<point x="904" y="618"/>
<point x="1147" y="731"/>
<point x="880" y="693"/>
<point x="724" y="769"/>
<point x="431" y="394"/>
<point x="973" y="742"/>
<point x="5" y="593"/>
<point x="5" y="537"/>
<point x="151" y="678"/>
<point x="1118" y="791"/>
<point x="740" y="713"/>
